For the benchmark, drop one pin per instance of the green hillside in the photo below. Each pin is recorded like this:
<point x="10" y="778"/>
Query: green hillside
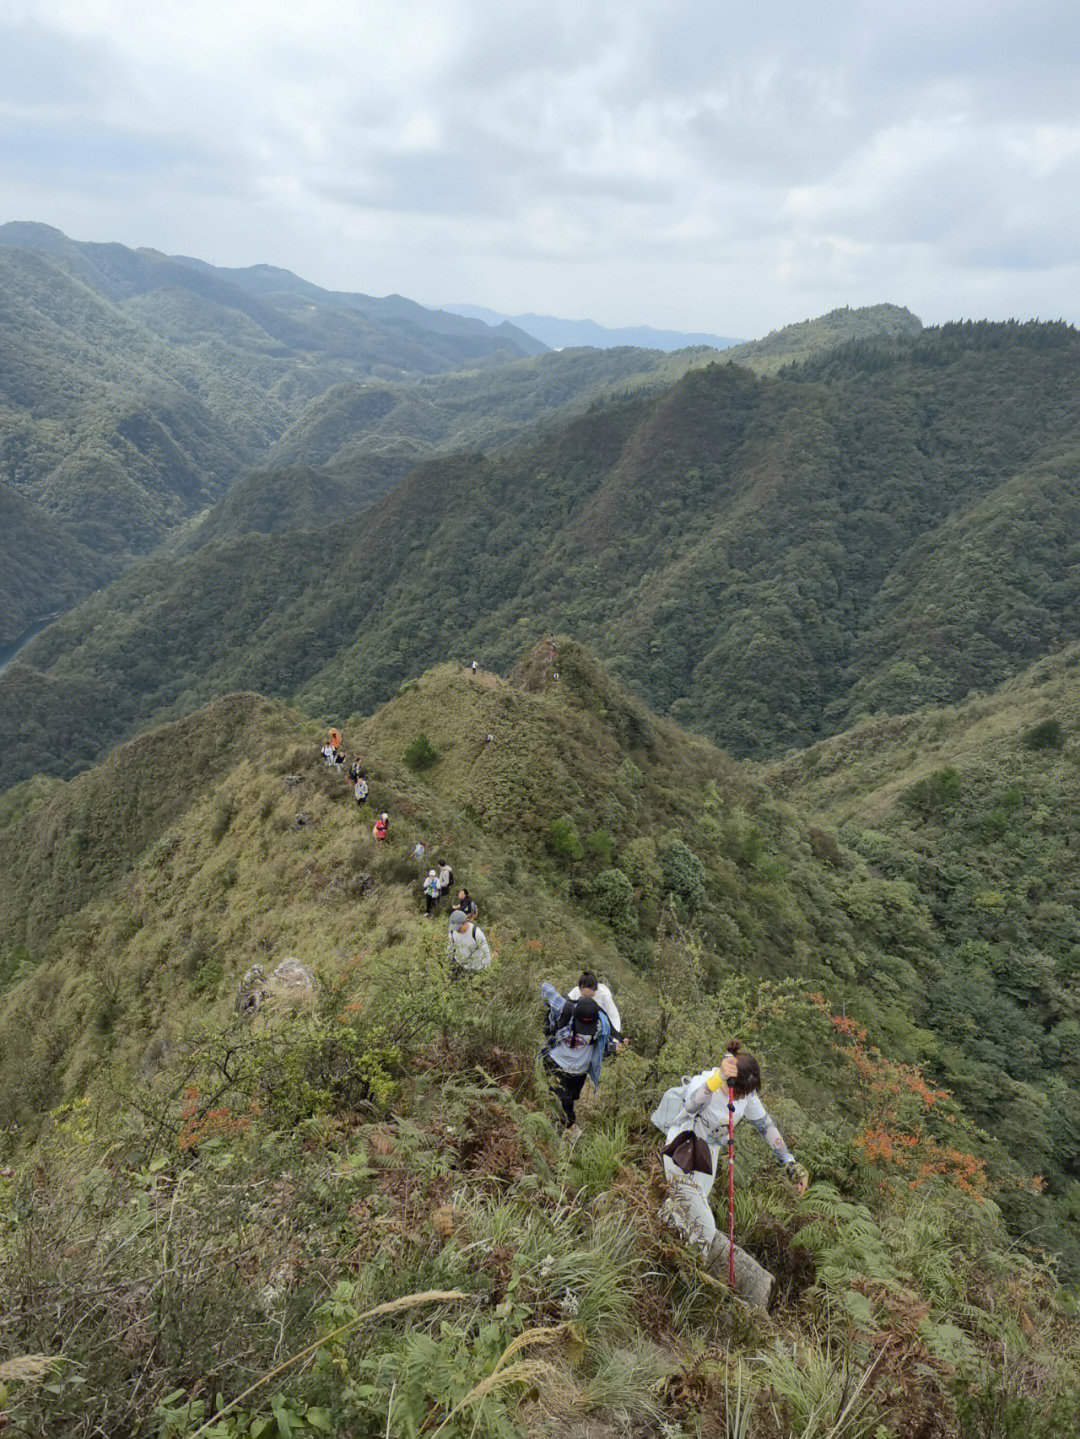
<point x="45" y="567"/>
<point x="195" y="1204"/>
<point x="810" y="339"/>
<point x="474" y="410"/>
<point x="763" y="558"/>
<point x="136" y="388"/>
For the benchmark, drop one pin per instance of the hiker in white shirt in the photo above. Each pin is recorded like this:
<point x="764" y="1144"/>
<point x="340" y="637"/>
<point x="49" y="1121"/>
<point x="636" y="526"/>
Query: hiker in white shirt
<point x="588" y="987"/>
<point x="704" y="1112"/>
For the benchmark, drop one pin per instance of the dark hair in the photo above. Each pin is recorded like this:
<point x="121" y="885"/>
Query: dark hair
<point x="587" y="980"/>
<point x="748" y="1078"/>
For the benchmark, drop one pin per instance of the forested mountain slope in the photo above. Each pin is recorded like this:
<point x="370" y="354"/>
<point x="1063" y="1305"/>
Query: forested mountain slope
<point x="364" y="438"/>
<point x="762" y="557"/>
<point x="135" y="388"/>
<point x="391" y="1137"/>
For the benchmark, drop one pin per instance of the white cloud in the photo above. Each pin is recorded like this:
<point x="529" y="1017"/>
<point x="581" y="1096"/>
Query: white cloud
<point x="711" y="166"/>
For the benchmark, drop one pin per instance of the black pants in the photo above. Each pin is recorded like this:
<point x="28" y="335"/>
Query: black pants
<point x="565" y="1087"/>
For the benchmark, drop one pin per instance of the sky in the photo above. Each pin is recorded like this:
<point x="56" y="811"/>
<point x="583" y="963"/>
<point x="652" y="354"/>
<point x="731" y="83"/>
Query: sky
<point x="690" y="164"/>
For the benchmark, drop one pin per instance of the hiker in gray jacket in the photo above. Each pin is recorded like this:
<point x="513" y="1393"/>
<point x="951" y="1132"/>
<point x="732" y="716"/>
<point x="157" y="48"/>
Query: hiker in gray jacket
<point x="703" y="1112"/>
<point x="467" y="946"/>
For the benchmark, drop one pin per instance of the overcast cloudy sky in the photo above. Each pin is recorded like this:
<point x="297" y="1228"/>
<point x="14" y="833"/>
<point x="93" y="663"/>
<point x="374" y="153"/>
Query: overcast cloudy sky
<point x="685" y="163"/>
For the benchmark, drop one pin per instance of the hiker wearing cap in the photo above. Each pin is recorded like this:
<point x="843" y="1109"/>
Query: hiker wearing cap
<point x="578" y="1037"/>
<point x="467" y="946"/>
<point x="695" y="1118"/>
<point x="589" y="987"/>
<point x="431" y="891"/>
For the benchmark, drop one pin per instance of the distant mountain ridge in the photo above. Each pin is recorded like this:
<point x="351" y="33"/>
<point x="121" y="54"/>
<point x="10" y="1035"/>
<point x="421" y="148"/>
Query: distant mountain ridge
<point x="562" y="334"/>
<point x="763" y="558"/>
<point x="137" y="387"/>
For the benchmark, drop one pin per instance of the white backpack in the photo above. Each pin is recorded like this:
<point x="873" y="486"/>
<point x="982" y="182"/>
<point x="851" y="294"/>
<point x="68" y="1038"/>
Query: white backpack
<point x="671" y="1105"/>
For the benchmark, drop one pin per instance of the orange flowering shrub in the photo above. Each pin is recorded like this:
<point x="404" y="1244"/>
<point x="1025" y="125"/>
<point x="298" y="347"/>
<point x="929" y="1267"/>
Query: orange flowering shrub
<point x="894" y="1139"/>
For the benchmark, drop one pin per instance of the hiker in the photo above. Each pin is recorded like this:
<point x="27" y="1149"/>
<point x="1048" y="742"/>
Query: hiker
<point x="446" y="877"/>
<point x="431" y="891"/>
<point x="467" y="946"/>
<point x="381" y="828"/>
<point x="356" y="769"/>
<point x="466" y="904"/>
<point x="360" y="789"/>
<point x="588" y="987"/>
<point x="475" y="669"/>
<point x="578" y="1037"/>
<point x="419" y="851"/>
<point x="327" y="753"/>
<point x="699" y="1114"/>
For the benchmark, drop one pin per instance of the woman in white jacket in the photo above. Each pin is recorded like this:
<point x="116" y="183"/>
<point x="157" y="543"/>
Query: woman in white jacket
<point x="705" y="1115"/>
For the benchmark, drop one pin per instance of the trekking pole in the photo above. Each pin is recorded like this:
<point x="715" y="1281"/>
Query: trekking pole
<point x="731" y="1186"/>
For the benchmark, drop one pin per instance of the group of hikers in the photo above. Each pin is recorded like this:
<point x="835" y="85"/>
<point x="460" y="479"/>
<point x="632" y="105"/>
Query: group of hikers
<point x="582" y="1028"/>
<point x="334" y="757"/>
<point x="697" y="1117"/>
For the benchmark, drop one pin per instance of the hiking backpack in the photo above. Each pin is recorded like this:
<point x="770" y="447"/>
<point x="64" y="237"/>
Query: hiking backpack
<point x="671" y="1104"/>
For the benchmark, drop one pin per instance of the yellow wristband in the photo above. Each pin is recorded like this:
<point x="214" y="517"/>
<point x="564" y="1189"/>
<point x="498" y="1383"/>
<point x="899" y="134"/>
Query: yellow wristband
<point x="715" y="1080"/>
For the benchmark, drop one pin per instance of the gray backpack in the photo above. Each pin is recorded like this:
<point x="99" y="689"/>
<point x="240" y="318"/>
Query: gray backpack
<point x="670" y="1106"/>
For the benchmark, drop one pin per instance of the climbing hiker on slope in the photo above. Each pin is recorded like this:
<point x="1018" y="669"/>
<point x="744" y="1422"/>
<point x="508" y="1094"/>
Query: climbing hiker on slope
<point x="694" y="1118"/>
<point x="431" y="891"/>
<point x="467" y="946"/>
<point x="361" y="790"/>
<point x="578" y="1037"/>
<point x="589" y="987"/>
<point x="381" y="828"/>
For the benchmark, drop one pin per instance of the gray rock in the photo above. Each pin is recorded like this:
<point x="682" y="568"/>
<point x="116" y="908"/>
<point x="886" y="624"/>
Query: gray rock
<point x="288" y="983"/>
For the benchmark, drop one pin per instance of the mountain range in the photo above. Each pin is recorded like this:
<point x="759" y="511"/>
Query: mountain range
<point x="570" y="334"/>
<point x="136" y="388"/>
<point x="763" y="557"/>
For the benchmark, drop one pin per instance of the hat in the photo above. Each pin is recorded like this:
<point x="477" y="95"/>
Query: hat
<point x="430" y="873"/>
<point x="458" y="918"/>
<point x="586" y="1016"/>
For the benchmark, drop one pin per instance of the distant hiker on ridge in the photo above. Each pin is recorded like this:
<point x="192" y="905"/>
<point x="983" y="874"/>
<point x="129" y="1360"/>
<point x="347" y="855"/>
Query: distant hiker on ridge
<point x="578" y="1037"/>
<point x="467" y="946"/>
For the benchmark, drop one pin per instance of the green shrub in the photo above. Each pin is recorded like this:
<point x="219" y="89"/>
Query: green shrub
<point x="1048" y="735"/>
<point x="683" y="873"/>
<point x="936" y="794"/>
<point x="613" y="896"/>
<point x="599" y="846"/>
<point x="563" y="840"/>
<point x="421" y="753"/>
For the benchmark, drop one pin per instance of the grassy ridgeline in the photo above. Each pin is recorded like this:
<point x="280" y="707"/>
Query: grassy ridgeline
<point x="313" y="1164"/>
